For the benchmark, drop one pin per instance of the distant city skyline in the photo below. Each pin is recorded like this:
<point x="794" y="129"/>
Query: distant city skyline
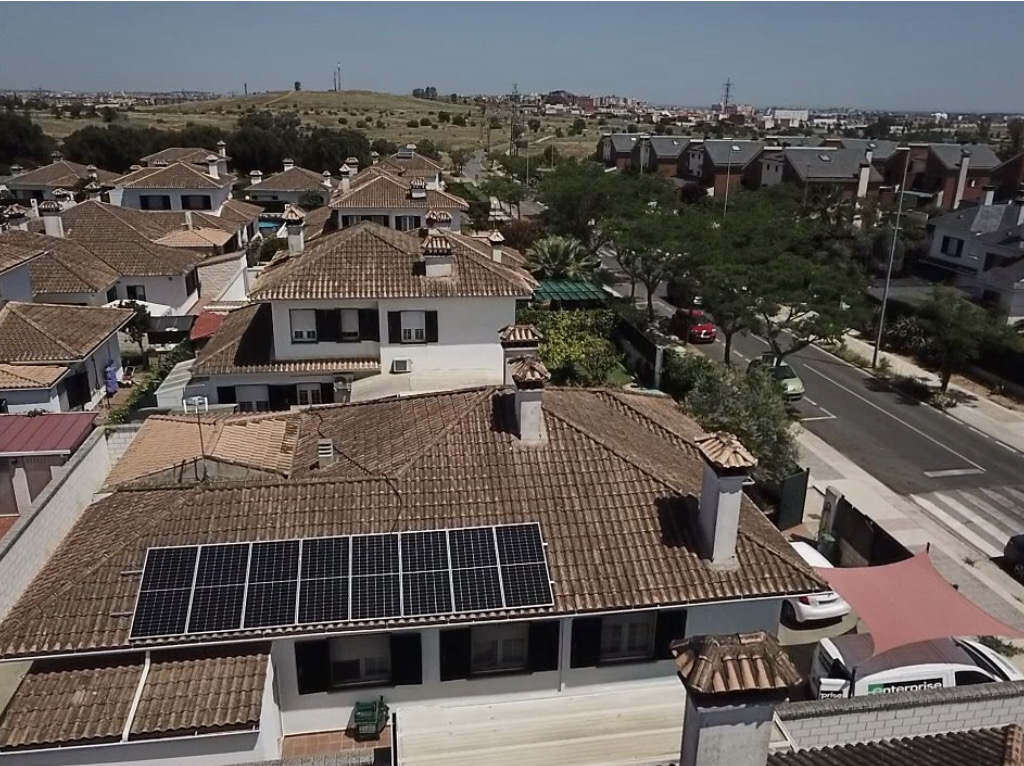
<point x="817" y="55"/>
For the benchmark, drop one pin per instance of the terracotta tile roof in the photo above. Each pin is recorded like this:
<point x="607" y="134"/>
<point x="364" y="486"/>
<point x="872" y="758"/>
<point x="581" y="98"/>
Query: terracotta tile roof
<point x="42" y="332"/>
<point x="124" y="239"/>
<point x="264" y="442"/>
<point x="375" y="262"/>
<point x="58" y="174"/>
<point x="69" y="267"/>
<point x="29" y="375"/>
<point x="295" y="179"/>
<point x="481" y="243"/>
<point x="611" y="489"/>
<point x="374" y="171"/>
<point x="240" y="346"/>
<point x="387" y="191"/>
<point x="190" y="154"/>
<point x="196" y="238"/>
<point x="72" y="702"/>
<point x="738" y="663"/>
<point x="14" y="252"/>
<point x="319" y="221"/>
<point x="725" y="451"/>
<point x="1003" y="746"/>
<point x="520" y="334"/>
<point x="529" y="369"/>
<point x="416" y="164"/>
<point x="178" y="175"/>
<point x="237" y="210"/>
<point x="206" y="325"/>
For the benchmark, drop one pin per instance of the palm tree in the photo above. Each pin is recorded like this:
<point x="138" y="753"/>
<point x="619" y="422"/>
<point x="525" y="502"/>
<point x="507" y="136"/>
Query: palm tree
<point x="560" y="258"/>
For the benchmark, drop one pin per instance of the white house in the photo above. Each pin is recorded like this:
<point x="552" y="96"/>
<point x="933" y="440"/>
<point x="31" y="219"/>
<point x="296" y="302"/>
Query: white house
<point x="16" y="262"/>
<point x="293" y="185"/>
<point x="409" y="164"/>
<point x="40" y="184"/>
<point x="174" y="186"/>
<point x="983" y="245"/>
<point x="191" y="155"/>
<point x="508" y="567"/>
<point x="380" y="196"/>
<point x="58" y="358"/>
<point x="361" y="313"/>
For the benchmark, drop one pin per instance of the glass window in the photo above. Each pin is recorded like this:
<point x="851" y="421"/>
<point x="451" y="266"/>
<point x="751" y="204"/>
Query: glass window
<point x="358" y="660"/>
<point x="350" y="324"/>
<point x="971" y="677"/>
<point x="627" y="636"/>
<point x="414" y="327"/>
<point x="112" y="294"/>
<point x="196" y="202"/>
<point x="499" y="648"/>
<point x="310" y="393"/>
<point x="136" y="292"/>
<point x="303" y="322"/>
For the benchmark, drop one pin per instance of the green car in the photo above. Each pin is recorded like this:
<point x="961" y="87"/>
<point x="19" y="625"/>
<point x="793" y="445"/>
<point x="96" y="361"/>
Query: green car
<point x="792" y="386"/>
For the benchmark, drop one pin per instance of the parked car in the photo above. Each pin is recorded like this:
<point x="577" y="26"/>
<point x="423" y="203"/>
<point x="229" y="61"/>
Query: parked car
<point x="694" y="325"/>
<point x="847" y="667"/>
<point x="821" y="606"/>
<point x="792" y="386"/>
<point x="1013" y="556"/>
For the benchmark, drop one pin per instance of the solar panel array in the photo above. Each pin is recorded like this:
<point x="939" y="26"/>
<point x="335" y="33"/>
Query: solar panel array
<point x="277" y="583"/>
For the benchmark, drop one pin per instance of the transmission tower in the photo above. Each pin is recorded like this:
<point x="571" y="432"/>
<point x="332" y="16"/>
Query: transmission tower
<point x="515" y="122"/>
<point x="726" y="93"/>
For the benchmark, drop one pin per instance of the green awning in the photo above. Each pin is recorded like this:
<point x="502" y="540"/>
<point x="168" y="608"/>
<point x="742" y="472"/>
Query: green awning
<point x="569" y="290"/>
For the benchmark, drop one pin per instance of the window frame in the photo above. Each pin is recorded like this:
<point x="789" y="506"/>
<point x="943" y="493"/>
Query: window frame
<point x="500" y="635"/>
<point x="623" y="624"/>
<point x="412" y="328"/>
<point x="367" y="647"/>
<point x="350" y="336"/>
<point x="306" y="333"/>
<point x="137" y="289"/>
<point x="309" y="392"/>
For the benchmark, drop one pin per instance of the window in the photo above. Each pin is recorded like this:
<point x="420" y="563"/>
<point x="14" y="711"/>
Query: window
<point x="136" y="292"/>
<point x="303" y="324"/>
<point x="155" y="202"/>
<point x="971" y="677"/>
<point x="499" y="647"/>
<point x="360" y="660"/>
<point x="414" y="327"/>
<point x="627" y="636"/>
<point x="350" y="324"/>
<point x="952" y="246"/>
<point x="973" y="183"/>
<point x="112" y="294"/>
<point x="196" y="202"/>
<point x="192" y="282"/>
<point x="310" y="393"/>
<point x="407" y="222"/>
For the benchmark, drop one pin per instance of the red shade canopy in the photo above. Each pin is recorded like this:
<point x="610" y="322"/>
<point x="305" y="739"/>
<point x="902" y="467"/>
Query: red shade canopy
<point x="909" y="601"/>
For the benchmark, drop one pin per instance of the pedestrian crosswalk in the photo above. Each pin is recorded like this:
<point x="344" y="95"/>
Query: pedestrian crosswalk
<point x="984" y="517"/>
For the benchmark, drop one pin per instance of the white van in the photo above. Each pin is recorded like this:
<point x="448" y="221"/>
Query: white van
<point x="844" y="667"/>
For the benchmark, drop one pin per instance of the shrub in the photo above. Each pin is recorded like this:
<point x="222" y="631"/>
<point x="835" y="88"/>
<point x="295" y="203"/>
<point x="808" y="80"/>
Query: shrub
<point x="343" y="120"/>
<point x="459" y="120"/>
<point x="412" y="124"/>
<point x="425" y="122"/>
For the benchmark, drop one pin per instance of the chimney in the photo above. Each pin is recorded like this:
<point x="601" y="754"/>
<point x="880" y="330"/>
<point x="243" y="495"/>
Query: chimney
<point x="17" y="170"/>
<point x="222" y="149"/>
<point x="517" y="341"/>
<point x="64" y="198"/>
<point x="727" y="464"/>
<point x="49" y="211"/>
<point x="133" y="168"/>
<point x="437" y="254"/>
<point x="374" y="158"/>
<point x="529" y="376"/>
<point x="211" y="166"/>
<point x="418" y="189"/>
<point x="869" y="153"/>
<point x="325" y="455"/>
<point x="346" y="178"/>
<point x="93" y="190"/>
<point x="255" y="177"/>
<point x="295" y="222"/>
<point x="327" y="179"/>
<point x="988" y="195"/>
<point x="56" y="157"/>
<point x="961" y="177"/>
<point x="733" y="684"/>
<point x="497" y="245"/>
<point x="93" y="174"/>
<point x="353" y="164"/>
<point x="188" y="220"/>
<point x="863" y="177"/>
<point x="288" y="164"/>
<point x="17" y="217"/>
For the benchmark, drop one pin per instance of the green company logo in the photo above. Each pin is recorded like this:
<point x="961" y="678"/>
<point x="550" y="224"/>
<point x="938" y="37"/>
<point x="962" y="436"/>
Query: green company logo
<point x="905" y="686"/>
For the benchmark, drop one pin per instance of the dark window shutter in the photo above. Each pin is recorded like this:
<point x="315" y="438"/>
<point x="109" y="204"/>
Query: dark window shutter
<point x="327" y="393"/>
<point x="586" y="642"/>
<point x="543" y="646"/>
<point x="431" y="326"/>
<point x="369" y="324"/>
<point x="313" y="666"/>
<point x="226" y="395"/>
<point x="406" y="659"/>
<point x="282" y="397"/>
<point x="670" y="626"/>
<point x="328" y="325"/>
<point x="456" y="653"/>
<point x="394" y="327"/>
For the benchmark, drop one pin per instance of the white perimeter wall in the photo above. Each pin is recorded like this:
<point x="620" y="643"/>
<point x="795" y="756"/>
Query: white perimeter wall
<point x="210" y="750"/>
<point x="165" y="290"/>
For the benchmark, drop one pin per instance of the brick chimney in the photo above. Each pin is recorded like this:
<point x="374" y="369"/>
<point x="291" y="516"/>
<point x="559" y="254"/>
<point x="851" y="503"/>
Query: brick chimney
<point x="727" y="464"/>
<point x="961" y="177"/>
<point x="437" y="254"/>
<point x="518" y="341"/>
<point x="529" y="376"/>
<point x="49" y="211"/>
<point x="346" y="177"/>
<point x="17" y="170"/>
<point x="212" y="169"/>
<point x="733" y="685"/>
<point x="64" y="198"/>
<point x="374" y="158"/>
<point x="497" y="245"/>
<point x="288" y="164"/>
<point x="295" y="222"/>
<point x="255" y="177"/>
<point x="56" y="156"/>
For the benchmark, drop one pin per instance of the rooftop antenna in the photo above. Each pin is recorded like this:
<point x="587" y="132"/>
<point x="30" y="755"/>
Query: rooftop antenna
<point x="200" y="405"/>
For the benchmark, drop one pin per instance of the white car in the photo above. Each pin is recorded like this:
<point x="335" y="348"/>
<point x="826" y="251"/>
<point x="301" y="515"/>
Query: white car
<point x="821" y="606"/>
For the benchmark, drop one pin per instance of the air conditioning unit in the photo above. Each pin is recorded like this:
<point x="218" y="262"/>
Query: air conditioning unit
<point x="343" y="382"/>
<point x="401" y="365"/>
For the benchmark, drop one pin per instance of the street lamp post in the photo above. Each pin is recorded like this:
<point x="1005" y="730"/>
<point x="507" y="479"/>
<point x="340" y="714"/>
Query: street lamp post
<point x="728" y="169"/>
<point x="888" y="268"/>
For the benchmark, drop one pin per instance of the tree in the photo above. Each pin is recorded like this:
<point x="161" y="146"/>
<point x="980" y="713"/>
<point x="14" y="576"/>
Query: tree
<point x="578" y="126"/>
<point x="137" y="328"/>
<point x="533" y="124"/>
<point x="1014" y="138"/>
<point x="723" y="285"/>
<point x="576" y="346"/>
<point x="114" y="147"/>
<point x="956" y="331"/>
<point x="459" y="157"/>
<point x="22" y="141"/>
<point x="325" y="149"/>
<point x="520" y="234"/>
<point x="558" y="257"/>
<point x="459" y="120"/>
<point x="649" y="248"/>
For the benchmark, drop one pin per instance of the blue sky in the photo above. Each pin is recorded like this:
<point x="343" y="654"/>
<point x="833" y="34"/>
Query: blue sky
<point x="949" y="56"/>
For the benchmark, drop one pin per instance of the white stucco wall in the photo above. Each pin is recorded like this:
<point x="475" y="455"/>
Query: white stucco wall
<point x="393" y="213"/>
<point x="205" y="750"/>
<point x="726" y="736"/>
<point x="30" y="399"/>
<point x="284" y="348"/>
<point x="133" y="197"/>
<point x="16" y="285"/>
<point x="720" y="619"/>
<point x="165" y="290"/>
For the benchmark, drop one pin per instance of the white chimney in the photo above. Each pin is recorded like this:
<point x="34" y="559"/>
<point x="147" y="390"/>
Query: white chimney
<point x="961" y="177"/>
<point x="327" y="179"/>
<point x="325" y="454"/>
<point x="93" y="173"/>
<point x="529" y="376"/>
<point x="988" y="195"/>
<point x="53" y="225"/>
<point x="289" y="164"/>
<point x="497" y="245"/>
<point x="188" y="220"/>
<point x="346" y="177"/>
<point x="211" y="167"/>
<point x="353" y="164"/>
<point x="727" y="464"/>
<point x="418" y="189"/>
<point x="222" y="149"/>
<point x="295" y="224"/>
<point x="437" y="254"/>
<point x="374" y="158"/>
<point x="255" y="177"/>
<point x="863" y="178"/>
<point x="93" y="190"/>
<point x="17" y="170"/>
<point x="517" y="341"/>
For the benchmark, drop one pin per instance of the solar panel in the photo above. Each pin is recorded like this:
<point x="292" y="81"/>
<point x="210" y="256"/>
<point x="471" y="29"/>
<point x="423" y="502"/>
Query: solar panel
<point x="526" y="585"/>
<point x="520" y="544"/>
<point x="216" y="608"/>
<point x="323" y="600"/>
<point x="161" y="613"/>
<point x="375" y="554"/>
<point x="476" y="590"/>
<point x="472" y="547"/>
<point x="222" y="564"/>
<point x="426" y="593"/>
<point x="325" y="557"/>
<point x="376" y="597"/>
<point x="274" y="561"/>
<point x="270" y="604"/>
<point x="170" y="568"/>
<point x="424" y="551"/>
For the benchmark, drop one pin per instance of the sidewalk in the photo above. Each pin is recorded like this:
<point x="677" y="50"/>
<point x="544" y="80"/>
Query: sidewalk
<point x="981" y="414"/>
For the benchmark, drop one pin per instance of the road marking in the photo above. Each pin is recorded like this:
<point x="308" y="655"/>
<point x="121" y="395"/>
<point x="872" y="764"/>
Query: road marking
<point x="738" y="355"/>
<point x="957" y="527"/>
<point x="817" y="417"/>
<point x="809" y="399"/>
<point x="898" y="419"/>
<point x="953" y="472"/>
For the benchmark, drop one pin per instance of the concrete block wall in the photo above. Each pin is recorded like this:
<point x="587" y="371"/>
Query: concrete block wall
<point x="821" y="723"/>
<point x="118" y="439"/>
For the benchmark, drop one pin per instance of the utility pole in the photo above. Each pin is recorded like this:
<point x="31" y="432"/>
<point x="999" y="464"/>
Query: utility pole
<point x="892" y="257"/>
<point x="514" y="118"/>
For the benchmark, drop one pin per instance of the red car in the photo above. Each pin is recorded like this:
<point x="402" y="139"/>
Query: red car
<point x="694" y="325"/>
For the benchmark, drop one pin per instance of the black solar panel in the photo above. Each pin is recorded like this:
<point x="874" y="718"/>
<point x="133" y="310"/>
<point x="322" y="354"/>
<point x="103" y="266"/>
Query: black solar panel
<point x="375" y="554"/>
<point x="269" y="604"/>
<point x="161" y="613"/>
<point x="472" y="547"/>
<point x="274" y="561"/>
<point x="476" y="589"/>
<point x="222" y="564"/>
<point x="170" y="568"/>
<point x="424" y="551"/>
<point x="526" y="585"/>
<point x="323" y="600"/>
<point x="216" y="609"/>
<point x="520" y="544"/>
<point x="325" y="557"/>
<point x="426" y="593"/>
<point x="376" y="597"/>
